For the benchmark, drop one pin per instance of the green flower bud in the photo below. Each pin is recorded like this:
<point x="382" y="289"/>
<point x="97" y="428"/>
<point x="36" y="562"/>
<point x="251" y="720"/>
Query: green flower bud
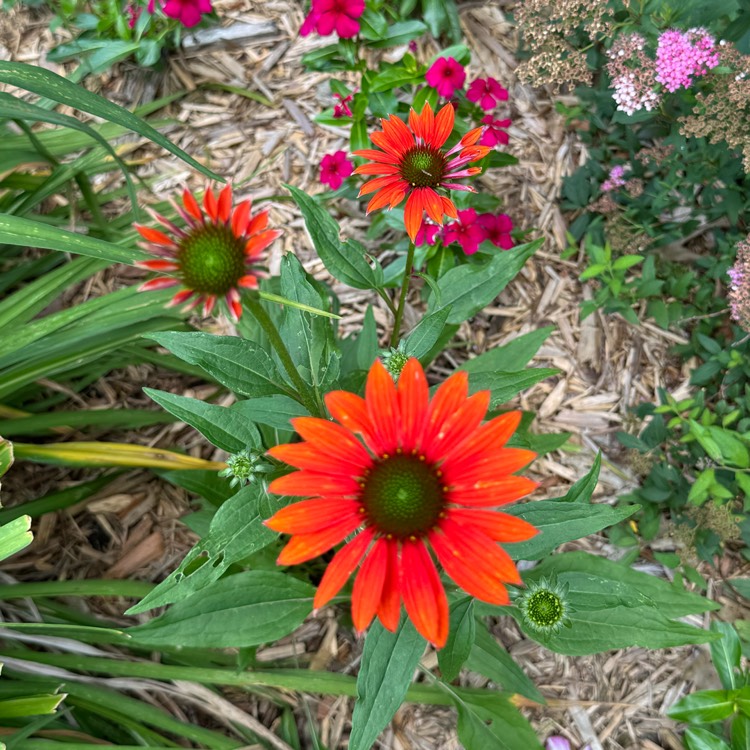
<point x="544" y="605"/>
<point x="243" y="467"/>
<point x="395" y="360"/>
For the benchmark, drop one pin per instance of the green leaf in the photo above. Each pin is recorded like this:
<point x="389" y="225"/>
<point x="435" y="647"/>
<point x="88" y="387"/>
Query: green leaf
<point x="460" y="638"/>
<point x="515" y="354"/>
<point x="15" y="536"/>
<point x="388" y="664"/>
<point x="740" y="732"/>
<point x="237" y="531"/>
<point x="347" y="264"/>
<point x="492" y="721"/>
<point x="47" y="84"/>
<point x="6" y="455"/>
<point x="15" y="230"/>
<point x="726" y="654"/>
<point x="626" y="261"/>
<point x="400" y="33"/>
<point x="30" y="705"/>
<point x="704" y="707"/>
<point x="559" y="522"/>
<point x="490" y="659"/>
<point x="274" y="411"/>
<point x="701" y="739"/>
<point x="505" y="385"/>
<point x="395" y="77"/>
<point x="469" y="288"/>
<point x="239" y="364"/>
<point x="218" y="424"/>
<point x="420" y="340"/>
<point x="246" y="609"/>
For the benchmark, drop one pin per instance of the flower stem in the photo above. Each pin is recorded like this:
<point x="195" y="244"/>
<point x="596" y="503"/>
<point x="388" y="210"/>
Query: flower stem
<point x="402" y="296"/>
<point x="304" y="391"/>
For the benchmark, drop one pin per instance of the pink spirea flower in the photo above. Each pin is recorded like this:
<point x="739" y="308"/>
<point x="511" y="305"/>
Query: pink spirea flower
<point x="329" y="16"/>
<point x="187" y="12"/>
<point x="683" y="56"/>
<point x="494" y="132"/>
<point x="342" y="109"/>
<point x="487" y="91"/>
<point x="446" y="75"/>
<point x="615" y="180"/>
<point x="426" y="234"/>
<point x="497" y="229"/>
<point x="467" y="231"/>
<point x="633" y="74"/>
<point x="334" y="169"/>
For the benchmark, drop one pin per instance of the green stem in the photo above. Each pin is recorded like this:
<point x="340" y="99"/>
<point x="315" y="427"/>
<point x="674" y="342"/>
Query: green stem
<point x="384" y="296"/>
<point x="306" y="394"/>
<point x="402" y="296"/>
<point x="299" y="680"/>
<point x="88" y="587"/>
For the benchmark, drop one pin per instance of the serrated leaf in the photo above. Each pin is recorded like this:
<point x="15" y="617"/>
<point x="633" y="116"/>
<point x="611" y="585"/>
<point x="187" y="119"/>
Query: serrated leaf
<point x="460" y="641"/>
<point x="388" y="664"/>
<point x="246" y="609"/>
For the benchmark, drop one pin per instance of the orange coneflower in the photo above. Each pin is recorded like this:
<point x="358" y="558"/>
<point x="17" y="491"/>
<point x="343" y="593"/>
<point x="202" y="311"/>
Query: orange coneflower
<point x="422" y="472"/>
<point x="214" y="256"/>
<point x="412" y="163"/>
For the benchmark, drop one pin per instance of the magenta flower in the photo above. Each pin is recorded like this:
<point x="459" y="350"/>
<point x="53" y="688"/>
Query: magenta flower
<point x="329" y="16"/>
<point x="446" y="75"/>
<point x="497" y="229"/>
<point x="557" y="743"/>
<point x="466" y="231"/>
<point x="342" y="108"/>
<point x="682" y="56"/>
<point x="134" y="13"/>
<point x="494" y="132"/>
<point x="487" y="91"/>
<point x="187" y="12"/>
<point x="334" y="169"/>
<point x="615" y="180"/>
<point x="426" y="234"/>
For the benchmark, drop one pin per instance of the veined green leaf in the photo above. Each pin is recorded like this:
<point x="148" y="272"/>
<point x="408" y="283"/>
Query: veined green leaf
<point x="704" y="707"/>
<point x="461" y="634"/>
<point x="515" y="354"/>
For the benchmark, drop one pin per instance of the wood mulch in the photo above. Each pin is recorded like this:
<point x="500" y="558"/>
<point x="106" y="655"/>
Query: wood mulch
<point x="609" y="701"/>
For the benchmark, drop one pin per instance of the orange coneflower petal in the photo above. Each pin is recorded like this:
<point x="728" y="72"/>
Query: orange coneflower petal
<point x="427" y="119"/>
<point x="382" y="169"/>
<point x="333" y="439"/>
<point x="305" y="456"/>
<point x="449" y="207"/>
<point x="191" y="205"/>
<point x="382" y="406"/>
<point x="495" y="433"/>
<point x="224" y="208"/>
<point x="248" y="281"/>
<point x="381" y="140"/>
<point x="155" y="236"/>
<point x="374" y="155"/>
<point x="388" y="196"/>
<point x="180" y="297"/>
<point x="459" y="426"/>
<point x="487" y="468"/>
<point x="210" y="205"/>
<point x="501" y="491"/>
<point x="310" y="516"/>
<point x="424" y="596"/>
<point x="157" y="265"/>
<point x="413" y="399"/>
<point x="474" y="577"/>
<point x="257" y="223"/>
<point x="368" y="585"/>
<point x="443" y="126"/>
<point x="234" y="304"/>
<point x="240" y="218"/>
<point x="500" y="527"/>
<point x="344" y="563"/>
<point x="389" y="608"/>
<point x="433" y="205"/>
<point x="472" y="137"/>
<point x="415" y="123"/>
<point x="398" y="133"/>
<point x="413" y="212"/>
<point x="306" y="483"/>
<point x="448" y="398"/>
<point x="351" y="411"/>
<point x="303" y="547"/>
<point x="379" y="182"/>
<point x="259" y="242"/>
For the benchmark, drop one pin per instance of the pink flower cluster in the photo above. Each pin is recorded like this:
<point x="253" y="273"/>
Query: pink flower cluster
<point x="187" y="12"/>
<point x="615" y="180"/>
<point x="329" y="16"/>
<point x="633" y="74"/>
<point x="739" y="288"/>
<point x="683" y="56"/>
<point x="469" y="230"/>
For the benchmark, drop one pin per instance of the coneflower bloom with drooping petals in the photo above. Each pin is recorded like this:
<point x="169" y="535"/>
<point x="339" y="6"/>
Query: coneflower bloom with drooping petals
<point x="215" y="255"/>
<point x="413" y="165"/>
<point x="404" y="473"/>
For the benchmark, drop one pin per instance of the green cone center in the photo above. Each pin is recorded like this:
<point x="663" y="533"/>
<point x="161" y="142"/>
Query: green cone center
<point x="544" y="608"/>
<point x="212" y="260"/>
<point x="423" y="167"/>
<point x="403" y="496"/>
